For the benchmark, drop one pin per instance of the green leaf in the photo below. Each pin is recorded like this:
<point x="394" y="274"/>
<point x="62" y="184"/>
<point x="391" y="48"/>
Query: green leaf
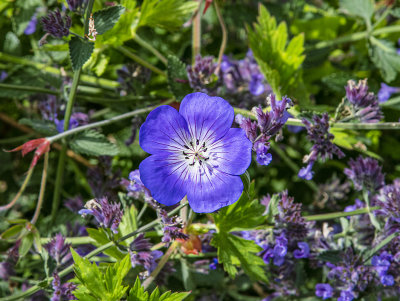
<point x="168" y="14"/>
<point x="360" y="8"/>
<point x="101" y="239"/>
<point x="272" y="209"/>
<point x="26" y="244"/>
<point x="128" y="222"/>
<point x="105" y="19"/>
<point x="332" y="256"/>
<point x="395" y="12"/>
<point x="281" y="63"/>
<point x="137" y="293"/>
<point x="12" y="45"/>
<point x="177" y="78"/>
<point x="242" y="215"/>
<point x="385" y="57"/>
<point x="79" y="52"/>
<point x="246" y="181"/>
<point x="41" y="126"/>
<point x="12" y="231"/>
<point x="234" y="251"/>
<point x="94" y="144"/>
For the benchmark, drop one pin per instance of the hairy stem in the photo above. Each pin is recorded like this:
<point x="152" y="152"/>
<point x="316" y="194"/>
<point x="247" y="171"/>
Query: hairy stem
<point x="196" y="33"/>
<point x="161" y="264"/>
<point x="127" y="52"/>
<point x="105" y="122"/>
<point x="325" y="216"/>
<point x="42" y="189"/>
<point x="224" y="37"/>
<point x="21" y="190"/>
<point x="149" y="47"/>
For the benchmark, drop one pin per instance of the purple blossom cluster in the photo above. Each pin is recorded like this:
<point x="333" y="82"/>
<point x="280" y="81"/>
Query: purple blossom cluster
<point x="59" y="250"/>
<point x="143" y="256"/>
<point x="364" y="104"/>
<point x="268" y="124"/>
<point x="243" y="75"/>
<point x="365" y="173"/>
<point x="57" y="25"/>
<point x="107" y="214"/>
<point x="172" y="227"/>
<point x="8" y="263"/>
<point x="318" y="133"/>
<point x="62" y="291"/>
<point x="201" y="74"/>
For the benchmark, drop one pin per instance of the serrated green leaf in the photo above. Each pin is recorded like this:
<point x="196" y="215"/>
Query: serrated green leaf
<point x="41" y="126"/>
<point x="79" y="52"/>
<point x="385" y="57"/>
<point x="105" y="19"/>
<point x="101" y="239"/>
<point x="242" y="215"/>
<point x="272" y="209"/>
<point x="93" y="143"/>
<point x="168" y="14"/>
<point x="137" y="292"/>
<point x="235" y="251"/>
<point x="281" y="63"/>
<point x="177" y="78"/>
<point x="128" y="223"/>
<point x="360" y="8"/>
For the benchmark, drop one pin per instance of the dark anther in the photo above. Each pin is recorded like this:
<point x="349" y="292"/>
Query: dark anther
<point x="187" y="146"/>
<point x="204" y="144"/>
<point x="191" y="164"/>
<point x="184" y="153"/>
<point x="205" y="159"/>
<point x="204" y="150"/>
<point x="197" y="141"/>
<point x="200" y="162"/>
<point x="191" y="143"/>
<point x="187" y="158"/>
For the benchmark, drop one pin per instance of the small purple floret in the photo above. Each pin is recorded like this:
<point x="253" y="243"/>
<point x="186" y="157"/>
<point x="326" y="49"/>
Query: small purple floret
<point x="323" y="290"/>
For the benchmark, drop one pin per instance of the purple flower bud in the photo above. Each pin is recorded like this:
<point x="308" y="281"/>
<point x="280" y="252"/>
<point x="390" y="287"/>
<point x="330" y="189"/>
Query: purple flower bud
<point x="31" y="27"/>
<point x="323" y="290"/>
<point x="74" y="204"/>
<point x="365" y="103"/>
<point x="214" y="264"/>
<point x="201" y="73"/>
<point x="59" y="250"/>
<point x="263" y="157"/>
<point x="107" y="214"/>
<point x="386" y="92"/>
<point x="140" y="244"/>
<point x="387" y="280"/>
<point x="250" y="127"/>
<point x="306" y="173"/>
<point x="74" y="5"/>
<point x="365" y="173"/>
<point x="56" y="25"/>
<point x="346" y="296"/>
<point x="303" y="251"/>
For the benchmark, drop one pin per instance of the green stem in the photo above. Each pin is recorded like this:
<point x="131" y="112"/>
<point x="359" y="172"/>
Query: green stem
<point x="146" y="45"/>
<point x="71" y="99"/>
<point x="325" y="216"/>
<point x="127" y="52"/>
<point x="82" y="240"/>
<point x="91" y="80"/>
<point x="58" y="181"/>
<point x="196" y="33"/>
<point x="372" y="217"/>
<point x="142" y="211"/>
<point x="69" y="269"/>
<point x="338" y="125"/>
<point x="105" y="122"/>
<point x="21" y="190"/>
<point x="224" y="36"/>
<point x="353" y="37"/>
<point x="28" y="89"/>
<point x="382" y="17"/>
<point x="160" y="264"/>
<point x="42" y="189"/>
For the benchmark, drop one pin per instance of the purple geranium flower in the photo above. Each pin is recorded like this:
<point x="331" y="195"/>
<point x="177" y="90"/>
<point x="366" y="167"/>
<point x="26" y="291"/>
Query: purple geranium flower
<point x="194" y="152"/>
